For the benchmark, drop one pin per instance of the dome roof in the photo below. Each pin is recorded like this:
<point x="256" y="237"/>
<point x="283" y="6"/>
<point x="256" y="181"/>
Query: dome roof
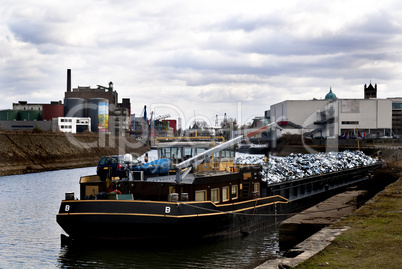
<point x="330" y="95"/>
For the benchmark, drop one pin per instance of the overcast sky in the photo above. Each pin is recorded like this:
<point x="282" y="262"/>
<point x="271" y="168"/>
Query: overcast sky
<point x="202" y="58"/>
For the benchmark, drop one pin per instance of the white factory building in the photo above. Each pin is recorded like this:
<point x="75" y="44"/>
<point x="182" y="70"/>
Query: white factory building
<point x="333" y="117"/>
<point x="71" y="124"/>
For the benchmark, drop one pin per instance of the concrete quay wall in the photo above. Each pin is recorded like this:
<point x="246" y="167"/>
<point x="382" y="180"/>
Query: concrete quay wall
<point x="299" y="227"/>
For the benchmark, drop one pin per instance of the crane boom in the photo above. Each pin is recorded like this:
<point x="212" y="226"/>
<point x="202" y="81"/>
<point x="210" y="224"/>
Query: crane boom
<point x="198" y="159"/>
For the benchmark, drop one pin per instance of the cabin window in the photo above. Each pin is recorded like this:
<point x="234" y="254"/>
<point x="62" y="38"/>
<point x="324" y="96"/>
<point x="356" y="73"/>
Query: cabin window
<point x="172" y="189"/>
<point x="165" y="153"/>
<point x="91" y="190"/>
<point x="247" y="176"/>
<point x="256" y="188"/>
<point x="175" y="154"/>
<point x="188" y="153"/>
<point x="200" y="195"/>
<point x="215" y="195"/>
<point x="234" y="192"/>
<point x="225" y="194"/>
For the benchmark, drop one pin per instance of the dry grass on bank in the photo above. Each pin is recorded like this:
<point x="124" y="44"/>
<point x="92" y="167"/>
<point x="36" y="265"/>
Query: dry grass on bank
<point x="374" y="239"/>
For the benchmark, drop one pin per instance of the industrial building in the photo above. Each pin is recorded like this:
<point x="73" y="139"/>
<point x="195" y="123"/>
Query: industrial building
<point x="71" y="124"/>
<point x="27" y="116"/>
<point x="30" y="111"/>
<point x="14" y="125"/>
<point x="164" y="128"/>
<point x="333" y="117"/>
<point x="397" y="116"/>
<point x="296" y="116"/>
<point x="371" y="118"/>
<point x="99" y="105"/>
<point x="158" y="128"/>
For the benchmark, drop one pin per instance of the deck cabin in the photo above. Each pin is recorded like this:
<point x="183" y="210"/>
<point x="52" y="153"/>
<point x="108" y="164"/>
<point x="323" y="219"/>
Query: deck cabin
<point x="241" y="183"/>
<point x="180" y="151"/>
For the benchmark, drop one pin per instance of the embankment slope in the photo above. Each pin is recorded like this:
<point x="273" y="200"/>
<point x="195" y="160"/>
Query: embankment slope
<point x="36" y="152"/>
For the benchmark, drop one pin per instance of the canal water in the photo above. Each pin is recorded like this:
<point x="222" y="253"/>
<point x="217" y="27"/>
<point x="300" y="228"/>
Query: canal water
<point x="30" y="236"/>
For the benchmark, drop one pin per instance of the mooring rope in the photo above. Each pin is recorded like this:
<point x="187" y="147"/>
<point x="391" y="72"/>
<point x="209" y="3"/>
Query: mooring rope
<point x="263" y="215"/>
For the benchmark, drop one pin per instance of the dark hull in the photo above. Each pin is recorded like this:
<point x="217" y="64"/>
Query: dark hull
<point x="146" y="220"/>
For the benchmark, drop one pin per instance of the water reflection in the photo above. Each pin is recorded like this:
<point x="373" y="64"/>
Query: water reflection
<point x="247" y="252"/>
<point x="29" y="234"/>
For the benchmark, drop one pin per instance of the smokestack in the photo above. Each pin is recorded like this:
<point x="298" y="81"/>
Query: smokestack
<point x="68" y="80"/>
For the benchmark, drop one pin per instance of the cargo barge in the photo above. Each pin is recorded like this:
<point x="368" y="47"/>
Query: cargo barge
<point x="198" y="199"/>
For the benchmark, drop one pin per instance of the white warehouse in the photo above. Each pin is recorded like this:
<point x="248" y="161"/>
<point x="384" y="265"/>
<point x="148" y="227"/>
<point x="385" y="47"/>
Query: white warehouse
<point x="333" y="117"/>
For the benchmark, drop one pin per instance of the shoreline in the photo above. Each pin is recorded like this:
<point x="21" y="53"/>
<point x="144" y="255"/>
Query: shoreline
<point x="22" y="153"/>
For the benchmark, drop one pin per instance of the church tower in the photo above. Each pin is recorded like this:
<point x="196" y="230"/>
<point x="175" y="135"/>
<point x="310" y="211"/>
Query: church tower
<point x="370" y="91"/>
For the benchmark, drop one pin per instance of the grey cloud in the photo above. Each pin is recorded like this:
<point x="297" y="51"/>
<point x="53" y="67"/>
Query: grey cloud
<point x="41" y="23"/>
<point x="35" y="33"/>
<point x="331" y="66"/>
<point x="269" y="21"/>
<point x="332" y="54"/>
<point x="371" y="32"/>
<point x="380" y="23"/>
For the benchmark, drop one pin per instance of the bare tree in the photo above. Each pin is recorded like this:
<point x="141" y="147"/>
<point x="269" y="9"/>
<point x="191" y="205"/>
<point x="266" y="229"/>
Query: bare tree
<point x="228" y="125"/>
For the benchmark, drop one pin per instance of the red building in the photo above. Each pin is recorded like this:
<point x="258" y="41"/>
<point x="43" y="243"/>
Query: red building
<point x="172" y="124"/>
<point x="52" y="110"/>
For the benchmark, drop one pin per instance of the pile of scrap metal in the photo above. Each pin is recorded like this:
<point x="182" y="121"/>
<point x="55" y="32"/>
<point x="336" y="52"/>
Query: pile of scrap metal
<point x="295" y="166"/>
